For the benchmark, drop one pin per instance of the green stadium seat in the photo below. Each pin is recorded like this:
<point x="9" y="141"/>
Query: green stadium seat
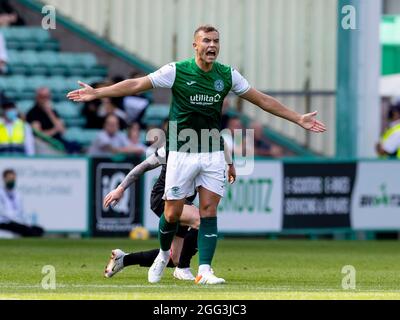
<point x="15" y="63"/>
<point x="71" y="83"/>
<point x="72" y="64"/>
<point x="92" y="80"/>
<point x="87" y="60"/>
<point x="29" y="38"/>
<point x="35" y="82"/>
<point x="14" y="86"/>
<point x="75" y="122"/>
<point x="155" y="114"/>
<point x="25" y="105"/>
<point x="39" y="34"/>
<point x="83" y="136"/>
<point x="68" y="109"/>
<point x="91" y="68"/>
<point x="51" y="61"/>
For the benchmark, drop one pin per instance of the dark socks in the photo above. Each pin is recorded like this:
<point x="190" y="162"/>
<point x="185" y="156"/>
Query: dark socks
<point x="189" y="248"/>
<point x="144" y="259"/>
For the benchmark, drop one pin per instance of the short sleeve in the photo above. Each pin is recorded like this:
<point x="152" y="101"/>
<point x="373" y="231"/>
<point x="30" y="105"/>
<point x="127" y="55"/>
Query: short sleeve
<point x="163" y="77"/>
<point x="391" y="144"/>
<point x="239" y="84"/>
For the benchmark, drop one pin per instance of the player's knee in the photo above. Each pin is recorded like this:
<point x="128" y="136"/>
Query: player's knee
<point x="171" y="217"/>
<point x="208" y="210"/>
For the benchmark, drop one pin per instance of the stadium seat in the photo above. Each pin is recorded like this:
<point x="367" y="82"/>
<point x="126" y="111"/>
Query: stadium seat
<point x="155" y="114"/>
<point x="83" y="136"/>
<point x="67" y="109"/>
<point x="28" y="38"/>
<point x="30" y="60"/>
<point x="15" y="63"/>
<point x="14" y="87"/>
<point x="25" y="105"/>
<point x="51" y="60"/>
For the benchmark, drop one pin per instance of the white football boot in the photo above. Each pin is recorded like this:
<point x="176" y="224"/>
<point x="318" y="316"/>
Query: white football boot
<point x="208" y="278"/>
<point x="115" y="264"/>
<point x="157" y="268"/>
<point x="183" y="274"/>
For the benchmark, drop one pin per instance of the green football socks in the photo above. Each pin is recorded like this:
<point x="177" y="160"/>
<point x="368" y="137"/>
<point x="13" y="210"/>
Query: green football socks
<point x="207" y="240"/>
<point x="166" y="233"/>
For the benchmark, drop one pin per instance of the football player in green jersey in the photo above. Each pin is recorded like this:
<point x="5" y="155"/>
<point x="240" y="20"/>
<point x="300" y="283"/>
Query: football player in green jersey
<point x="199" y="86"/>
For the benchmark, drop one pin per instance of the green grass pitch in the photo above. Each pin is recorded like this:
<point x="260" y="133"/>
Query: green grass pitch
<point x="253" y="269"/>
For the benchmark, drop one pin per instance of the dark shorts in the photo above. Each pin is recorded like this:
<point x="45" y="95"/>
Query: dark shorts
<point x="156" y="200"/>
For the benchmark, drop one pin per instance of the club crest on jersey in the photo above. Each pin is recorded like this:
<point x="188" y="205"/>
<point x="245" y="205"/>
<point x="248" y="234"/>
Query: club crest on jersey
<point x="219" y="85"/>
<point x="175" y="191"/>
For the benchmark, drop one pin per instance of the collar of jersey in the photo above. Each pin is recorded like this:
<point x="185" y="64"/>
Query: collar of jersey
<point x="200" y="70"/>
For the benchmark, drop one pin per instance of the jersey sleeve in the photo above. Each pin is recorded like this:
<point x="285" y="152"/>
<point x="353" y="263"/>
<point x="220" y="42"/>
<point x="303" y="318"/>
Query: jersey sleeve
<point x="163" y="77"/>
<point x="239" y="84"/>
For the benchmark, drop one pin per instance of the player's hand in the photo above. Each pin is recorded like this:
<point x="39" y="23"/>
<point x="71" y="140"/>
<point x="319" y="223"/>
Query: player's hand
<point x="113" y="197"/>
<point x="308" y="122"/>
<point x="231" y="173"/>
<point x="87" y="93"/>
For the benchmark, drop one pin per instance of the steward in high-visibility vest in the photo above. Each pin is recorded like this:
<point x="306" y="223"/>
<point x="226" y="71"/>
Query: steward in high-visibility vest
<point x="390" y="140"/>
<point x="12" y="142"/>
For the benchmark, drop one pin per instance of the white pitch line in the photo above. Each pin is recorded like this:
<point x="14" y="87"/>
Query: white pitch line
<point x="273" y="289"/>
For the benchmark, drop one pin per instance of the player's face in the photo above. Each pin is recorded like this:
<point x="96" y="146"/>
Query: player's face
<point x="206" y="46"/>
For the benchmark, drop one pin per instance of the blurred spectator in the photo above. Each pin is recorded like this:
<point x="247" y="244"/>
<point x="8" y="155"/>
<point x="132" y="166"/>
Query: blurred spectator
<point x="2" y="97"/>
<point x="15" y="135"/>
<point x="3" y="55"/>
<point x="390" y="140"/>
<point x="135" y="106"/>
<point x="44" y="119"/>
<point x="90" y="112"/>
<point x="225" y="113"/>
<point x="135" y="146"/>
<point x="262" y="146"/>
<point x="109" y="106"/>
<point x="11" y="209"/>
<point x="118" y="101"/>
<point x="110" y="139"/>
<point x="156" y="137"/>
<point x="8" y="15"/>
<point x="235" y="140"/>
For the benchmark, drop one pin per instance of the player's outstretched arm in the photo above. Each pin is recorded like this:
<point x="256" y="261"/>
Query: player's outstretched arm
<point x="120" y="89"/>
<point x="271" y="105"/>
<point x="115" y="195"/>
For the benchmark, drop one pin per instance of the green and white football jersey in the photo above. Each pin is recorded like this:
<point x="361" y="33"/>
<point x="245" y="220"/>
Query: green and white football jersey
<point x="197" y="98"/>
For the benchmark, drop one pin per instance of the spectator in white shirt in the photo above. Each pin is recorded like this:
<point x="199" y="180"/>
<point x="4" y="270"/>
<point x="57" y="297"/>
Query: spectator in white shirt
<point x="135" y="147"/>
<point x="11" y="209"/>
<point x="110" y="139"/>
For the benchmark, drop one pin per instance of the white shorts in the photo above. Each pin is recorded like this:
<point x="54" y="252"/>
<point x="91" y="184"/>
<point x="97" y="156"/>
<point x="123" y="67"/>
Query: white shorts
<point x="187" y="171"/>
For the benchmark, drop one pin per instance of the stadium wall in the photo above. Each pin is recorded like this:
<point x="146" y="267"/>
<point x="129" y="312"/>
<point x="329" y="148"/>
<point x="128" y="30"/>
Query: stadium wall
<point x="280" y="197"/>
<point x="286" y="48"/>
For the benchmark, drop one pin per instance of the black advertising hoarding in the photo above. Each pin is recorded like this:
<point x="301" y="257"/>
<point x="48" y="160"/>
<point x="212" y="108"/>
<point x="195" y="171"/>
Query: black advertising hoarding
<point x="317" y="195"/>
<point x="119" y="220"/>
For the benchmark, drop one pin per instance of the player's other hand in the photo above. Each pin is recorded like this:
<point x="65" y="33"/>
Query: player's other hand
<point x="113" y="197"/>
<point x="86" y="93"/>
<point x="308" y="122"/>
<point x="231" y="173"/>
